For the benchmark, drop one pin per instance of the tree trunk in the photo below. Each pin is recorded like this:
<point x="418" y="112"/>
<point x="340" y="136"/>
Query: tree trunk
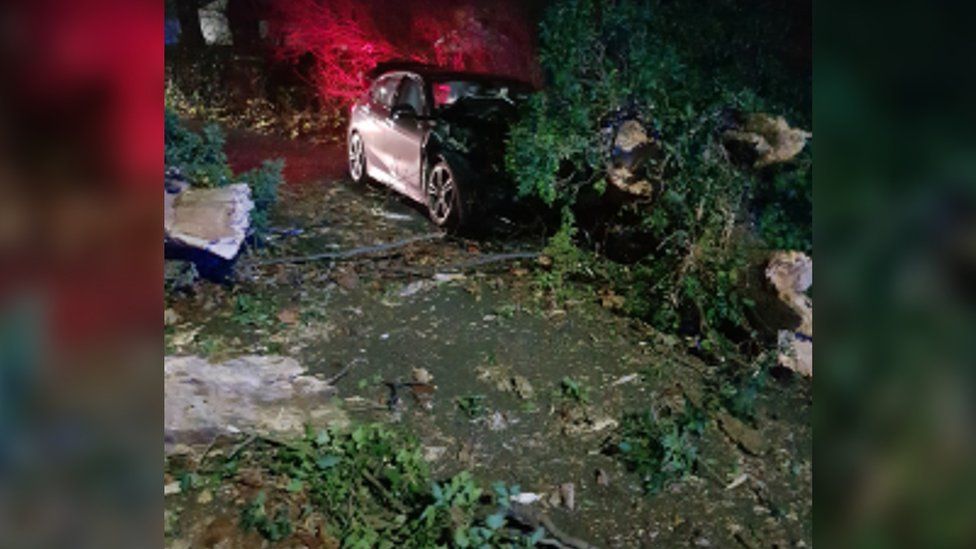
<point x="188" y="12"/>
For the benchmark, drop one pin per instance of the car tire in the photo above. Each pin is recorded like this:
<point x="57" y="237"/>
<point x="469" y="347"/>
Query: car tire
<point x="443" y="193"/>
<point x="357" y="158"/>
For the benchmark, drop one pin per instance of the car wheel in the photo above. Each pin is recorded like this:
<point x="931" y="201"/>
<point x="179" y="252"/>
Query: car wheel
<point x="357" y="158"/>
<point x="444" y="196"/>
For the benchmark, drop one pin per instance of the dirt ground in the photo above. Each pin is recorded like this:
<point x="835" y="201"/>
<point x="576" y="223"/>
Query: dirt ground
<point x="489" y="335"/>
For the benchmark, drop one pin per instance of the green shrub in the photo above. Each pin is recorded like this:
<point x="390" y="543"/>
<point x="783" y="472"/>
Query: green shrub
<point x="199" y="156"/>
<point x="682" y="68"/>
<point x="264" y="182"/>
<point x="366" y="486"/>
<point x="660" y="450"/>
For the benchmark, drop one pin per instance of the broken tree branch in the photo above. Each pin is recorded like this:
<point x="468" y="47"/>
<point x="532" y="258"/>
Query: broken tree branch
<point x="472" y="263"/>
<point x="345" y="369"/>
<point x="533" y="519"/>
<point x="348" y="254"/>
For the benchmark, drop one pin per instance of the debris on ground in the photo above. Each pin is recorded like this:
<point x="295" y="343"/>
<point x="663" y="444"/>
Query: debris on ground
<point x="212" y="220"/>
<point x="791" y="273"/>
<point x="170" y="317"/>
<point x="270" y="395"/>
<point x="179" y="276"/>
<point x="567" y="495"/>
<point x="525" y="498"/>
<point x="746" y="437"/>
<point x="762" y="140"/>
<point x="421" y="375"/>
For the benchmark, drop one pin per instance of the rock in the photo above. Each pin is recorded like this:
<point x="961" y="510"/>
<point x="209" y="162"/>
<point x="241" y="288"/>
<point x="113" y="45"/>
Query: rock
<point x="761" y="140"/>
<point x="269" y="395"/>
<point x="421" y="375"/>
<point x="795" y="353"/>
<point x="497" y="422"/>
<point x="791" y="274"/>
<point x="522" y="387"/>
<point x="434" y="453"/>
<point x="171" y="488"/>
<point x="567" y="492"/>
<point x="205" y="497"/>
<point x="602" y="477"/>
<point x="170" y="317"/>
<point x="288" y="315"/>
<point x="213" y="220"/>
<point x="415" y="287"/>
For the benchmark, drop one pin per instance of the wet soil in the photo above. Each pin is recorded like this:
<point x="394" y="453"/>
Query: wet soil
<point x="489" y="337"/>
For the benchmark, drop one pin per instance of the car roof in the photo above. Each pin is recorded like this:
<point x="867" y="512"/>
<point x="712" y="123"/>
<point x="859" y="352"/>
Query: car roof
<point x="434" y="72"/>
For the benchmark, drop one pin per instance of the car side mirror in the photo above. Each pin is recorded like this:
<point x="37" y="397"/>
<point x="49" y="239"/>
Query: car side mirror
<point x="403" y="111"/>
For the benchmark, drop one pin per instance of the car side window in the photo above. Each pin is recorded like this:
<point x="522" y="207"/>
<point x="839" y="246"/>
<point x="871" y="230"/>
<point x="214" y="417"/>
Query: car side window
<point x="384" y="90"/>
<point x="411" y="93"/>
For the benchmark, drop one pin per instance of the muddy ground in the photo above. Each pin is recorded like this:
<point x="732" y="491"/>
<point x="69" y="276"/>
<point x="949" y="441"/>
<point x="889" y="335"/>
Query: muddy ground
<point x="487" y="335"/>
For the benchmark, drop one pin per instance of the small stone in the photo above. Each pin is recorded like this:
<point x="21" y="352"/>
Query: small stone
<point x="522" y="387"/>
<point x="567" y="492"/>
<point x="421" y="375"/>
<point x="602" y="478"/>
<point x="170" y="317"/>
<point x="205" y="497"/>
<point x="171" y="489"/>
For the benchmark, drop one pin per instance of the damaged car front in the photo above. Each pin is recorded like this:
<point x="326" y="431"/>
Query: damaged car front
<point x="469" y="125"/>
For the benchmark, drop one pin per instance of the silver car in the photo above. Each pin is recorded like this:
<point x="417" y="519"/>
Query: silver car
<point x="435" y="136"/>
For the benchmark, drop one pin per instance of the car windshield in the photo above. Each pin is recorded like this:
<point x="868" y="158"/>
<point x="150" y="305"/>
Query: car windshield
<point x="449" y="92"/>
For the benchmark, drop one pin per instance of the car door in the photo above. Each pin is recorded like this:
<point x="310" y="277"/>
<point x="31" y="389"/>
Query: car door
<point x="406" y="137"/>
<point x="378" y="127"/>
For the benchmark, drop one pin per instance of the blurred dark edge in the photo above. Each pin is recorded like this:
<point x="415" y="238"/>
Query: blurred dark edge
<point x="81" y="395"/>
<point x="895" y="235"/>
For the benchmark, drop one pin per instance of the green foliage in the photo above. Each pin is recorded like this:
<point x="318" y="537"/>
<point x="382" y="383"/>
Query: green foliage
<point x="264" y="183"/>
<point x="367" y="487"/>
<point x="568" y="262"/>
<point x="199" y="156"/>
<point x="571" y="390"/>
<point x="472" y="406"/>
<point x="681" y="68"/>
<point x="255" y="516"/>
<point x="783" y="204"/>
<point x="660" y="450"/>
<point x="253" y="310"/>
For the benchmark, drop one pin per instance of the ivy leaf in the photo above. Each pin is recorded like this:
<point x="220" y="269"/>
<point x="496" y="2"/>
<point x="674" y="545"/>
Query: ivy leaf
<point x="327" y="462"/>
<point x="495" y="521"/>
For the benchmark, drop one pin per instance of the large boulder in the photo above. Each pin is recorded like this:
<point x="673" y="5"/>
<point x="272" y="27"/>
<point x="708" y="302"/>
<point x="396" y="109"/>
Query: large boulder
<point x="267" y="395"/>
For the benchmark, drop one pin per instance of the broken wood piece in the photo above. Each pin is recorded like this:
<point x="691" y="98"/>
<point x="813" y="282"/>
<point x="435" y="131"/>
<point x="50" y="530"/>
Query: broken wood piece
<point x="348" y="254"/>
